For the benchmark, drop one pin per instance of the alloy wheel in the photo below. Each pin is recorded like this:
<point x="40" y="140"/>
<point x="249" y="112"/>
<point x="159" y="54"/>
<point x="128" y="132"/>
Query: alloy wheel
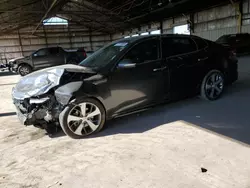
<point x="84" y="118"/>
<point x="24" y="70"/>
<point x="214" y="85"/>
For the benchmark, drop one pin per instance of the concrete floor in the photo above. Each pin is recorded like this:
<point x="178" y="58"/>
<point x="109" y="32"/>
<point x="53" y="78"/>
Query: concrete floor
<point x="164" y="147"/>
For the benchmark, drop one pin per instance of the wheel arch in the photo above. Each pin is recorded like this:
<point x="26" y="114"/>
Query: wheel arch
<point x="220" y="64"/>
<point x="97" y="98"/>
<point x="23" y="63"/>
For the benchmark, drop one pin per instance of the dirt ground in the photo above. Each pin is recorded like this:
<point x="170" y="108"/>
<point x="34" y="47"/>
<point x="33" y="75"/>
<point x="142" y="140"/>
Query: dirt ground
<point x="164" y="147"/>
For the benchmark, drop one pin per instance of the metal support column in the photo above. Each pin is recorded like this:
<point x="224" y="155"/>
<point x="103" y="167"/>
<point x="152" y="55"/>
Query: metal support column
<point x="70" y="37"/>
<point x="20" y="42"/>
<point x="90" y="39"/>
<point x="110" y="37"/>
<point x="239" y="11"/>
<point x="161" y="26"/>
<point x="45" y="36"/>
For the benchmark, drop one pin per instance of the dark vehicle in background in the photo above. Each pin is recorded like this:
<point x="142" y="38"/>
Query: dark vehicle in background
<point x="238" y="43"/>
<point x="46" y="57"/>
<point x="124" y="77"/>
<point x="11" y="63"/>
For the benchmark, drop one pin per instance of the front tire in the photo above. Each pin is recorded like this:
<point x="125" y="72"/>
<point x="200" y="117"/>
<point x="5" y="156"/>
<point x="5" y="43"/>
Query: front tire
<point x="212" y="85"/>
<point x="82" y="118"/>
<point x="24" y="69"/>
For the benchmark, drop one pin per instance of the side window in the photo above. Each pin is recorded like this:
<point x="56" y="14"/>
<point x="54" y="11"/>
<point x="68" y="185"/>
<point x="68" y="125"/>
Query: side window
<point x="177" y="46"/>
<point x="42" y="52"/>
<point x="144" y="51"/>
<point x="200" y="43"/>
<point x="53" y="51"/>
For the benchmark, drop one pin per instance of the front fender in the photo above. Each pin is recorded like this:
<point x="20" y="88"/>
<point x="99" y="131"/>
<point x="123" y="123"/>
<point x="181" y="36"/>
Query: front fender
<point x="89" y="90"/>
<point x="64" y="93"/>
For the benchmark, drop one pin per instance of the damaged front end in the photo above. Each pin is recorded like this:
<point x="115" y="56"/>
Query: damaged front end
<point x="40" y="112"/>
<point x="41" y="96"/>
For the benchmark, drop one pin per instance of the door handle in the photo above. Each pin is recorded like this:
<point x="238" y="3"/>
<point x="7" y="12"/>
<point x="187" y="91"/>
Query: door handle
<point x="202" y="59"/>
<point x="159" y="69"/>
<point x="176" y="58"/>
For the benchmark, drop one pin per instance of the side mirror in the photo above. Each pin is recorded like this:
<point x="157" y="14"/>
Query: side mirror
<point x="34" y="55"/>
<point x="126" y="64"/>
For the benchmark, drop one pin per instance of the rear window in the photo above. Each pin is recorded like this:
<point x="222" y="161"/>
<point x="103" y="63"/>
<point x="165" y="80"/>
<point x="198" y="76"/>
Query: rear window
<point x="200" y="43"/>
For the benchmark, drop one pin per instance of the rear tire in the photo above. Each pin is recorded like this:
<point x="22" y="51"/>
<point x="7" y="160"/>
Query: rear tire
<point x="24" y="69"/>
<point x="83" y="117"/>
<point x="212" y="86"/>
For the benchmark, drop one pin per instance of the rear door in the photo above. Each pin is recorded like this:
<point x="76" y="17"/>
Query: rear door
<point x="181" y="57"/>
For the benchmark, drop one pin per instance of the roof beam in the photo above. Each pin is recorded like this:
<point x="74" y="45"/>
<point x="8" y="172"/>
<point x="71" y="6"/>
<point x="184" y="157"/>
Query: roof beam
<point x="24" y="11"/>
<point x="86" y="4"/>
<point x="45" y="15"/>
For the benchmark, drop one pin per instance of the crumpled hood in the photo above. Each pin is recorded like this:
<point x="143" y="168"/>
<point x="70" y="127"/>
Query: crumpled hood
<point x="40" y="82"/>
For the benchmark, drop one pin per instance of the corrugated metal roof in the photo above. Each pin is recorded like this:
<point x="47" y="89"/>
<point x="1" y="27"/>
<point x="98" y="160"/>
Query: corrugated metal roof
<point x="106" y="16"/>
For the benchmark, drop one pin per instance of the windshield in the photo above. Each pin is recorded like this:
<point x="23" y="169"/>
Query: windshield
<point x="105" y="55"/>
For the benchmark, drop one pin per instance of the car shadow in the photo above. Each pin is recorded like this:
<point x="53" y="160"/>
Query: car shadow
<point x="8" y="84"/>
<point x="7" y="114"/>
<point x="222" y="117"/>
<point x="7" y="73"/>
<point x="228" y="116"/>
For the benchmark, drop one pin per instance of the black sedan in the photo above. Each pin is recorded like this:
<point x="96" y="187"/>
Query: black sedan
<point x="126" y="76"/>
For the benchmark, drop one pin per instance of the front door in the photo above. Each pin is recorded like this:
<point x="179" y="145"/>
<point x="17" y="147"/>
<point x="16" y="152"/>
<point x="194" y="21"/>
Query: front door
<point x="47" y="57"/>
<point x="135" y="87"/>
<point x="40" y="59"/>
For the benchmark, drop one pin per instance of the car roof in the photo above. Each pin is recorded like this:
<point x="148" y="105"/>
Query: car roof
<point x="134" y="39"/>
